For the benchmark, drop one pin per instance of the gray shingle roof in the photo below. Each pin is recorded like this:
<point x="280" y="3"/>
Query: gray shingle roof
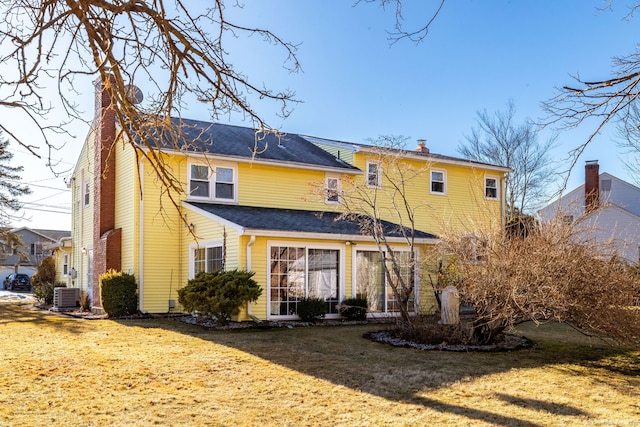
<point x="294" y="220"/>
<point x="243" y="142"/>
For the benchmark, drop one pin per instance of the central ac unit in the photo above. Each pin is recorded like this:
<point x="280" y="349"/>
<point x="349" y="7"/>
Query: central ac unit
<point x="66" y="298"/>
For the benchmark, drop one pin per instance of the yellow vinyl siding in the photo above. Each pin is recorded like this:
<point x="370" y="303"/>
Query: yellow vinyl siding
<point x="162" y="257"/>
<point x="462" y="208"/>
<point x="127" y="207"/>
<point x="82" y="216"/>
<point x="285" y="187"/>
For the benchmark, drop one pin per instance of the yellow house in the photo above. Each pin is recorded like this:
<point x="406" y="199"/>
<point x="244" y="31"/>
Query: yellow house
<point x="271" y="205"/>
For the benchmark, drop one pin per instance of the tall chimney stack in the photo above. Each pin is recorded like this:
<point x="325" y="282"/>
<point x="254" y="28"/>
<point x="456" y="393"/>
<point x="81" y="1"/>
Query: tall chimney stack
<point x="591" y="184"/>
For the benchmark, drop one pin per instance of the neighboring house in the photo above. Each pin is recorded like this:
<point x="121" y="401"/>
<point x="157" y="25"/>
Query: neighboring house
<point x="26" y="257"/>
<point x="61" y="253"/>
<point x="608" y="210"/>
<point x="253" y="209"/>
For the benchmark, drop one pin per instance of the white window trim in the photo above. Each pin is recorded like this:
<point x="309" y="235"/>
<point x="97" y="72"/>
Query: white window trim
<point x="444" y="182"/>
<point x="484" y="187"/>
<point x="212" y="181"/>
<point x="378" y="183"/>
<point x="86" y="193"/>
<point x="65" y="262"/>
<point x="342" y="276"/>
<point x="326" y="190"/>
<point x="202" y="245"/>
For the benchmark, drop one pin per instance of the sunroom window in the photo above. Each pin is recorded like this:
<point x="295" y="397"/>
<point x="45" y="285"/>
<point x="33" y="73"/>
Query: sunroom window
<point x="301" y="272"/>
<point x="373" y="285"/>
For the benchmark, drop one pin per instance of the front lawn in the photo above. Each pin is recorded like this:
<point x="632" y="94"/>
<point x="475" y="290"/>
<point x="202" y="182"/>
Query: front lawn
<point x="57" y="370"/>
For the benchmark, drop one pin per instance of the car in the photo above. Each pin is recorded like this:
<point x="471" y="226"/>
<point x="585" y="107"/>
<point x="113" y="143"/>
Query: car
<point x="17" y="281"/>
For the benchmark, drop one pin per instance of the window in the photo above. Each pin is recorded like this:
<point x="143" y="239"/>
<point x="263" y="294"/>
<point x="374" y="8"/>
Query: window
<point x="216" y="183"/>
<point x="567" y="219"/>
<point x="199" y="181"/>
<point x="86" y="189"/>
<point x="476" y="249"/>
<point x="208" y="259"/>
<point x="373" y="285"/>
<point x="438" y="181"/>
<point x="300" y="272"/>
<point x="332" y="190"/>
<point x="491" y="188"/>
<point x="224" y="183"/>
<point x="373" y="175"/>
<point x="65" y="264"/>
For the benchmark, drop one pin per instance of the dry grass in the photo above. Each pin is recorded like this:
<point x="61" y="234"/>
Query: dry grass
<point x="56" y="370"/>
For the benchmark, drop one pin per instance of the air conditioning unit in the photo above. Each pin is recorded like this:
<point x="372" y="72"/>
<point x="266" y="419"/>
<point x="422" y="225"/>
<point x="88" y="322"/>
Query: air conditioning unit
<point x="66" y="298"/>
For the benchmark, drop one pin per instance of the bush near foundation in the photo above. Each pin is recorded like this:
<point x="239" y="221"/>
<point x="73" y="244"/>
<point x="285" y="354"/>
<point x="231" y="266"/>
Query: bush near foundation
<point x="354" y="309"/>
<point x="119" y="293"/>
<point x="219" y="294"/>
<point x="43" y="291"/>
<point x="311" y="309"/>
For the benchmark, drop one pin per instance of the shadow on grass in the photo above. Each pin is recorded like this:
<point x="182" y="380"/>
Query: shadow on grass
<point x="342" y="356"/>
<point x="28" y="313"/>
<point x="540" y="405"/>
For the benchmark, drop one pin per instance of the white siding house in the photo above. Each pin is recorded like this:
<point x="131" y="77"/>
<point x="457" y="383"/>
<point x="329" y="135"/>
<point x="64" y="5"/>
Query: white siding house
<point x="611" y="209"/>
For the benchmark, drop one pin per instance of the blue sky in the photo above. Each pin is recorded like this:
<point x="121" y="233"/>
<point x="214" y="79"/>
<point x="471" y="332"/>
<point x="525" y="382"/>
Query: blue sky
<point x="355" y="86"/>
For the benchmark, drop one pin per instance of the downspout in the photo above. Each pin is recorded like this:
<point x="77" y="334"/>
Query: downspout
<point x="141" y="238"/>
<point x="249" y="254"/>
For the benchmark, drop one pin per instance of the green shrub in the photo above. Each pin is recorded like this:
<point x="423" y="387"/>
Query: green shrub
<point x="46" y="272"/>
<point x="219" y="294"/>
<point x="119" y="293"/>
<point x="43" y="291"/>
<point x="354" y="309"/>
<point x="311" y="309"/>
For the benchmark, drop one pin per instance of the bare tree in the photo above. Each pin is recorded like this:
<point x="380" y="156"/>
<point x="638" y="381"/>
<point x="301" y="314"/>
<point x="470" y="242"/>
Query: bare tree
<point x="177" y="49"/>
<point x="601" y="102"/>
<point x="498" y="139"/>
<point x="384" y="211"/>
<point x="416" y="35"/>
<point x="555" y="274"/>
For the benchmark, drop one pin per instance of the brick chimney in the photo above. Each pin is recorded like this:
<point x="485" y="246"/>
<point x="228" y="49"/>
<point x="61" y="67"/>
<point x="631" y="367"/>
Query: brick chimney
<point x="422" y="148"/>
<point x="106" y="238"/>
<point x="591" y="184"/>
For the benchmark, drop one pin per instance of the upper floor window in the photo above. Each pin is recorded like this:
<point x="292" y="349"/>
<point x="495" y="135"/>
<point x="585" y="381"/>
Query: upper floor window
<point x="491" y="187"/>
<point x="332" y="186"/>
<point x="216" y="182"/>
<point x="86" y="191"/>
<point x="438" y="181"/>
<point x="373" y="175"/>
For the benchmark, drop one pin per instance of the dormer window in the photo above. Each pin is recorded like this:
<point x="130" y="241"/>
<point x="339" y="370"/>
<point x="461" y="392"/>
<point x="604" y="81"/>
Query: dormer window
<point x="216" y="183"/>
